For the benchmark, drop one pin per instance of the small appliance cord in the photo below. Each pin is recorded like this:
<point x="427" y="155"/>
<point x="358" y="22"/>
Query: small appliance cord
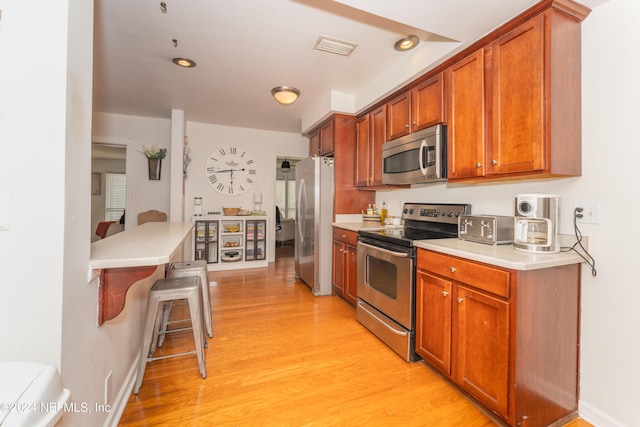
<point x="588" y="258"/>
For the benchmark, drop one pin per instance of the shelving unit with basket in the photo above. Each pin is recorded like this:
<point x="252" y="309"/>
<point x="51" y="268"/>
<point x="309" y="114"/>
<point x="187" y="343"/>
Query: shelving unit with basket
<point x="232" y="249"/>
<point x="232" y="242"/>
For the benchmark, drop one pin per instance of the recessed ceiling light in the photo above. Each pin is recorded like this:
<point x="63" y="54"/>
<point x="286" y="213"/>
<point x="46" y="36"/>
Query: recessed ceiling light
<point x="184" y="62"/>
<point x="406" y="43"/>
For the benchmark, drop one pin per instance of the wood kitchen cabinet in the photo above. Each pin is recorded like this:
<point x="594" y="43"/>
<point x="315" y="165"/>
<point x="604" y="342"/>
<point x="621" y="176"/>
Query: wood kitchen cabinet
<point x="347" y="198"/>
<point x="427" y="103"/>
<point x="345" y="264"/>
<point x="399" y="116"/>
<point x="322" y="141"/>
<point x="417" y="108"/>
<point x="514" y="104"/>
<point x="371" y="134"/>
<point x="508" y="338"/>
<point x="466" y="93"/>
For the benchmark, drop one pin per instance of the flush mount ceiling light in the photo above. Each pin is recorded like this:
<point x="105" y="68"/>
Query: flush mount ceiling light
<point x="406" y="43"/>
<point x="285" y="95"/>
<point x="184" y="62"/>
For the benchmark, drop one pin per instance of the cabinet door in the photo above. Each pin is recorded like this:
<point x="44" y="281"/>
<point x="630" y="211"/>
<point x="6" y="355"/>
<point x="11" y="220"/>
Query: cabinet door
<point x="481" y="332"/>
<point x="433" y="320"/>
<point x="314" y="144"/>
<point x="398" y="116"/>
<point x="427" y="107"/>
<point x="378" y="137"/>
<point x="465" y="103"/>
<point x="351" y="274"/>
<point x="327" y="138"/>
<point x="338" y="266"/>
<point x="363" y="151"/>
<point x="518" y="124"/>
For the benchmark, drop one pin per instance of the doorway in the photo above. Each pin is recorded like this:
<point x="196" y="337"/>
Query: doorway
<point x="109" y="184"/>
<point x="285" y="198"/>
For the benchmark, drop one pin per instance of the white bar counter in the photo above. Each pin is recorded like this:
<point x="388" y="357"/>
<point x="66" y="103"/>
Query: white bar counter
<point x="153" y="243"/>
<point x="125" y="258"/>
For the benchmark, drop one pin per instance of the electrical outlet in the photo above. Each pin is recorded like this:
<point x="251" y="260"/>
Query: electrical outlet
<point x="590" y="213"/>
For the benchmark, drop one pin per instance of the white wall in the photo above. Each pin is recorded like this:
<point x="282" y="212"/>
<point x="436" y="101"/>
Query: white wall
<point x="264" y="147"/>
<point x="610" y="344"/>
<point x="33" y="107"/>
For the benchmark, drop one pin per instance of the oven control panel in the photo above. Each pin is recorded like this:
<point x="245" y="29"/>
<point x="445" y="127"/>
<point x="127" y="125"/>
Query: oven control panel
<point x="444" y="213"/>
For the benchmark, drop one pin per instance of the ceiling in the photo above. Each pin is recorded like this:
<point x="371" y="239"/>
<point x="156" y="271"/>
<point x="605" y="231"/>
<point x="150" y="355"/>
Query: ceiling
<point x="244" y="48"/>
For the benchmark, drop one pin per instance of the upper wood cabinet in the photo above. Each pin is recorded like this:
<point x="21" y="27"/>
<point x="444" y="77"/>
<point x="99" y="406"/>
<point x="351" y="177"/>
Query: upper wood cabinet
<point x="321" y="141"/>
<point x="417" y="108"/>
<point x="370" y="135"/>
<point x="514" y="105"/>
<point x="336" y="136"/>
<point x="399" y="116"/>
<point x="427" y="103"/>
<point x="466" y="133"/>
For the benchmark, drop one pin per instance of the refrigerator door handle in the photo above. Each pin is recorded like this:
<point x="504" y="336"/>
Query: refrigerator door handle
<point x="301" y="215"/>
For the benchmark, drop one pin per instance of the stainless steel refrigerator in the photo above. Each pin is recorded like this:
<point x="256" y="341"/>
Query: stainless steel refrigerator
<point x="314" y="216"/>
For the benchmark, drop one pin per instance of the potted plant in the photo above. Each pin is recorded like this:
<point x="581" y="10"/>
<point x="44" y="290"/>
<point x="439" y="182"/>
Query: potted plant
<point x="154" y="157"/>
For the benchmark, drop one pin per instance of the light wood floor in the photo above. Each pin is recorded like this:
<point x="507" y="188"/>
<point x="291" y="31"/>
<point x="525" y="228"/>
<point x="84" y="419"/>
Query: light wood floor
<point x="282" y="357"/>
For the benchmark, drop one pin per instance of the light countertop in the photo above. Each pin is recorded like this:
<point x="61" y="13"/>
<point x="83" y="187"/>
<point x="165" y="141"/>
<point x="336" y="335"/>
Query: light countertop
<point x="153" y="243"/>
<point x="355" y="226"/>
<point x="505" y="256"/>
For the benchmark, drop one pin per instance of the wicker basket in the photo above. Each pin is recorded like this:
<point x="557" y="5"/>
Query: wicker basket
<point x="231" y="211"/>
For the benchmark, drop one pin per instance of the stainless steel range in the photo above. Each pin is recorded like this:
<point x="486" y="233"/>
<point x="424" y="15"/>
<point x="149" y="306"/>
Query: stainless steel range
<point x="386" y="272"/>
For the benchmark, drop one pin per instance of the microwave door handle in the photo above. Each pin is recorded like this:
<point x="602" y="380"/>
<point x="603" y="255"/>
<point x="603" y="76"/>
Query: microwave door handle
<point x="423" y="157"/>
<point x="386" y="251"/>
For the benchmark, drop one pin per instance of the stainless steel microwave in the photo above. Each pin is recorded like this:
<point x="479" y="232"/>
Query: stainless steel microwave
<point x="417" y="158"/>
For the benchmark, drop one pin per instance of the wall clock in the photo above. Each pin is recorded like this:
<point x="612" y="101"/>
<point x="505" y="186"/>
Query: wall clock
<point x="230" y="170"/>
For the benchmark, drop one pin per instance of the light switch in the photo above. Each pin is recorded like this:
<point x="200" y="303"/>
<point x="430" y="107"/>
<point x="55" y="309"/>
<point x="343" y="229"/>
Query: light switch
<point x="4" y="210"/>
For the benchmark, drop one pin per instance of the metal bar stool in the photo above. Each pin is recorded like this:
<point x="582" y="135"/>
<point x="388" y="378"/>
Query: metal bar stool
<point x="162" y="292"/>
<point x="194" y="268"/>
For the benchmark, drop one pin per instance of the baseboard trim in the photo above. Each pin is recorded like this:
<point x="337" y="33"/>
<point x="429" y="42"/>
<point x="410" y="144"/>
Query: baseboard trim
<point x="120" y="402"/>
<point x="596" y="417"/>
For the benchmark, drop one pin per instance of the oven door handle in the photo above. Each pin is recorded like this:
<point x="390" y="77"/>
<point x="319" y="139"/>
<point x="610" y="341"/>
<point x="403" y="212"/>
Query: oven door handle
<point x="402" y="333"/>
<point x="385" y="251"/>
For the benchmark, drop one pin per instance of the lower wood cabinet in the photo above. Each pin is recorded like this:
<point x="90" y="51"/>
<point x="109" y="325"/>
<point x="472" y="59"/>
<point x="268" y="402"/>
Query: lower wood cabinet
<point x="508" y="338"/>
<point x="345" y="264"/>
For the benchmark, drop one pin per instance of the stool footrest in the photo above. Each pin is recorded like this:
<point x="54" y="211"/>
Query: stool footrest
<point x="151" y="359"/>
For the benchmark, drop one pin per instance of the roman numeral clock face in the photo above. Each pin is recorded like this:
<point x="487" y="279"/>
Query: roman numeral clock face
<point x="230" y="170"/>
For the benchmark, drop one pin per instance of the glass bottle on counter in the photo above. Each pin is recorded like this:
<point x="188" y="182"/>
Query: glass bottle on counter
<point x="383" y="212"/>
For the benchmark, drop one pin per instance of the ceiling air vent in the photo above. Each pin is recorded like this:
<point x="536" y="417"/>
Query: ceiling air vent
<point x="339" y="47"/>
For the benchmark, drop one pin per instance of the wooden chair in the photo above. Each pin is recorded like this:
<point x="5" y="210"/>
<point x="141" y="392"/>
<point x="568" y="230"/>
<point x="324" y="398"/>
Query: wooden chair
<point x="151" y="216"/>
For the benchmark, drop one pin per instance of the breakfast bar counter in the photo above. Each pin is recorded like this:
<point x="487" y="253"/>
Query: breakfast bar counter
<point x="130" y="256"/>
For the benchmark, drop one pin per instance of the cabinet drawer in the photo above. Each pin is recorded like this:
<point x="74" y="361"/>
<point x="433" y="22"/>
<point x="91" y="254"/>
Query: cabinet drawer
<point x="487" y="278"/>
<point x="346" y="236"/>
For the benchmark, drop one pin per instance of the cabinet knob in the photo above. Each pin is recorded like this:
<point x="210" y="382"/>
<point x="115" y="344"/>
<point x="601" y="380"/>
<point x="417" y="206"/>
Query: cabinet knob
<point x="344" y="236"/>
<point x="478" y="165"/>
<point x="460" y="300"/>
<point x="453" y="269"/>
<point x="445" y="293"/>
<point x="494" y="162"/>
